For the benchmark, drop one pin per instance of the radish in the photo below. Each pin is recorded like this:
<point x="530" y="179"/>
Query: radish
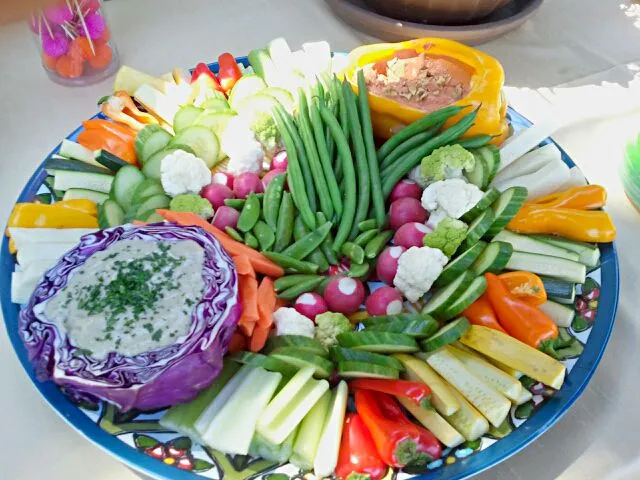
<point x="384" y="301"/>
<point x="266" y="180"/>
<point x="310" y="304"/>
<point x="344" y="295"/>
<point x="405" y="189"/>
<point x="387" y="265"/>
<point x="216" y="193"/>
<point x="223" y="178"/>
<point x="246" y="183"/>
<point x="405" y="210"/>
<point x="225" y="217"/>
<point x="411" y="235"/>
<point x="280" y="161"/>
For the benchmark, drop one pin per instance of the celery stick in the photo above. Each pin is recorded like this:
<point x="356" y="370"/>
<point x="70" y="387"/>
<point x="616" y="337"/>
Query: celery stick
<point x="263" y="448"/>
<point x="306" y="445"/>
<point x="327" y="455"/>
<point x="233" y="427"/>
<point x="182" y="418"/>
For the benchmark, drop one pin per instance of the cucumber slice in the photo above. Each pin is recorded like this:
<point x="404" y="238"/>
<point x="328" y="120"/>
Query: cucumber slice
<point x="340" y="354"/>
<point x="153" y="167"/>
<point x="380" y="342"/>
<point x="479" y="176"/>
<point x="110" y="214"/>
<point x="124" y="186"/>
<point x="490" y="155"/>
<point x="525" y="243"/>
<point x="561" y="315"/>
<point x="559" y="290"/>
<point x="246" y="86"/>
<point x="470" y="295"/>
<point x="417" y="328"/>
<point x="146" y="189"/>
<point x="299" y="341"/>
<point x="351" y="369"/>
<point x="478" y="228"/>
<point x="150" y="205"/>
<point x="150" y="139"/>
<point x="81" y="193"/>
<point x="490" y="196"/>
<point x="301" y="358"/>
<point x="53" y="164"/>
<point x="506" y="207"/>
<point x="588" y="254"/>
<point x="216" y="121"/>
<point x="186" y="116"/>
<point x="442" y="299"/>
<point x="215" y="104"/>
<point x="446" y="335"/>
<point x="110" y="161"/>
<point x="283" y="97"/>
<point x="203" y="142"/>
<point x="268" y="363"/>
<point x="493" y="259"/>
<point x="99" y="182"/>
<point x="551" y="266"/>
<point x="460" y="264"/>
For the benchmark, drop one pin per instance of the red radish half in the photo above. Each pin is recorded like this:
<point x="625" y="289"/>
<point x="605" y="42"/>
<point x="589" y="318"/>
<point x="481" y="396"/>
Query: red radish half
<point x="405" y="188"/>
<point x="245" y="183"/>
<point x="405" y="210"/>
<point x="384" y="301"/>
<point x="387" y="265"/>
<point x="225" y="217"/>
<point x="223" y="178"/>
<point x="266" y="180"/>
<point x="280" y="161"/>
<point x="411" y="235"/>
<point x="216" y="193"/>
<point x="344" y="295"/>
<point x="310" y="304"/>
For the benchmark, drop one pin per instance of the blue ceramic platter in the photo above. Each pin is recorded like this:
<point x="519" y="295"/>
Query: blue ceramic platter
<point x="140" y="442"/>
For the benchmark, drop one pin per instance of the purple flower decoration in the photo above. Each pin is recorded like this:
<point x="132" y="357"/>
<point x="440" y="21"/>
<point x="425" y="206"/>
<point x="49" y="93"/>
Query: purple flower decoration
<point x="95" y="26"/>
<point x="57" y="45"/>
<point x="59" y="14"/>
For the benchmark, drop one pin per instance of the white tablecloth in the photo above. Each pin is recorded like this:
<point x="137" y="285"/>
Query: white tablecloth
<point x="573" y="55"/>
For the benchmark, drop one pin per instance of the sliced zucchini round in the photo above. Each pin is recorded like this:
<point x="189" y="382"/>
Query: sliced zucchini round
<point x="203" y="142"/>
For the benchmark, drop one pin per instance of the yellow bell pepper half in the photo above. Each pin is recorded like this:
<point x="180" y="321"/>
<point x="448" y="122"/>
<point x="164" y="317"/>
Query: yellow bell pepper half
<point x="67" y="214"/>
<point x="388" y="116"/>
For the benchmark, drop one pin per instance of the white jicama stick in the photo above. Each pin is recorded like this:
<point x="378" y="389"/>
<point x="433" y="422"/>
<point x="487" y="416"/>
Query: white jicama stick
<point x="28" y="236"/>
<point x="529" y="163"/>
<point x="543" y="182"/>
<point x="576" y="179"/>
<point x="43" y="251"/>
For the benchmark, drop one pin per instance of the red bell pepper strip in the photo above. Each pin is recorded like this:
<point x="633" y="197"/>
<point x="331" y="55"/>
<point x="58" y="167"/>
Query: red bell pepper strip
<point x="418" y="392"/>
<point x="202" y="69"/>
<point x="481" y="313"/>
<point x="399" y="442"/>
<point x="522" y="321"/>
<point x="358" y="455"/>
<point x="228" y="71"/>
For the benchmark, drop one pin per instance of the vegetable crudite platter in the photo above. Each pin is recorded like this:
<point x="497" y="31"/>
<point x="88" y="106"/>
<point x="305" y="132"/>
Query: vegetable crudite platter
<point x="297" y="264"/>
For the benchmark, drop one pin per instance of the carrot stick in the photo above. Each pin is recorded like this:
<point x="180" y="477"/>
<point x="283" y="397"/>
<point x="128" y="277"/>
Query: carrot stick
<point x="138" y="223"/>
<point x="248" y="287"/>
<point x="260" y="263"/>
<point x="238" y="343"/>
<point x="259" y="338"/>
<point x="280" y="302"/>
<point x="266" y="302"/>
<point x="247" y="327"/>
<point x="243" y="266"/>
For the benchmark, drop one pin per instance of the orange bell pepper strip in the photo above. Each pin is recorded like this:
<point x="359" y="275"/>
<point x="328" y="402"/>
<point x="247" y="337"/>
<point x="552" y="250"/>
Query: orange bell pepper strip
<point x="526" y="286"/>
<point x="96" y="139"/>
<point x="588" y="197"/>
<point x="522" y="321"/>
<point x="579" y="225"/>
<point x="121" y="108"/>
<point x="481" y="313"/>
<point x="123" y="132"/>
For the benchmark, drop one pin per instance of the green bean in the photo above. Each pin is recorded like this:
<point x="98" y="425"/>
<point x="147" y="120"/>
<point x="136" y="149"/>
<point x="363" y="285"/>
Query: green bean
<point x="365" y="237"/>
<point x="288" y="281"/>
<point x="320" y="92"/>
<point x="304" y="286"/>
<point x="349" y="205"/>
<point x="312" y="155"/>
<point x="353" y="251"/>
<point x="251" y="241"/>
<point x="367" y="225"/>
<point x="370" y="150"/>
<point x="409" y="144"/>
<point x="344" y="117"/>
<point x="284" y="229"/>
<point x="377" y="244"/>
<point x="272" y="200"/>
<point x="325" y="160"/>
<point x="290" y="263"/>
<point x="296" y="181"/>
<point x="408" y="161"/>
<point x="264" y="234"/>
<point x="326" y="245"/>
<point x="364" y="194"/>
<point x="418" y="126"/>
<point x="475" y="141"/>
<point x="317" y="257"/>
<point x="233" y="233"/>
<point x="358" y="270"/>
<point x="331" y="144"/>
<point x="307" y="244"/>
<point x="250" y="213"/>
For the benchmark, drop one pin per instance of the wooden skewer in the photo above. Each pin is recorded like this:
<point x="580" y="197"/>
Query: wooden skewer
<point x="84" y="25"/>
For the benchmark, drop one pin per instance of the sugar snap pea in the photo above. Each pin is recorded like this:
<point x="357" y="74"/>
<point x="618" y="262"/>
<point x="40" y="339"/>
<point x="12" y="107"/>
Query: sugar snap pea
<point x="249" y="214"/>
<point x="272" y="200"/>
<point x="291" y="264"/>
<point x="316" y="256"/>
<point x="304" y="286"/>
<point x="359" y="270"/>
<point x="307" y="244"/>
<point x="353" y="251"/>
<point x="365" y="237"/>
<point x="284" y="229"/>
<point x="327" y="244"/>
<point x="377" y="244"/>
<point x="368" y="224"/>
<point x="233" y="233"/>
<point x="264" y="234"/>
<point x="409" y="144"/>
<point x="288" y="281"/>
<point x="238" y="203"/>
<point x="251" y="241"/>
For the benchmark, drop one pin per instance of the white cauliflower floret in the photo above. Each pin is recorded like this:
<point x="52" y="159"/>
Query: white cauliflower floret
<point x="418" y="268"/>
<point x="239" y="143"/>
<point x="289" y="322"/>
<point x="416" y="176"/>
<point x="183" y="172"/>
<point x="450" y="198"/>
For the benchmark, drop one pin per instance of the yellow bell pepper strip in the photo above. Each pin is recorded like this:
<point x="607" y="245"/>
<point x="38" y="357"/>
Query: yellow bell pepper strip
<point x="579" y="225"/>
<point x="101" y="139"/>
<point x="81" y="205"/>
<point x="121" y="108"/>
<point x="588" y="197"/>
<point x="36" y="215"/>
<point x="526" y="286"/>
<point x="485" y="88"/>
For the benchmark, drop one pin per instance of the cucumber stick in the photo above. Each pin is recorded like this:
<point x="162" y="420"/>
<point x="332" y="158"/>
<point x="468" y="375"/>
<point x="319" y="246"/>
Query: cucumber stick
<point x="268" y="363"/>
<point x="309" y="433"/>
<point x="433" y="422"/>
<point x="529" y="244"/>
<point x="493" y="405"/>
<point x="588" y="254"/>
<point x="329" y="446"/>
<point x="467" y="420"/>
<point x="98" y="182"/>
<point x="561" y="315"/>
<point x="545" y="265"/>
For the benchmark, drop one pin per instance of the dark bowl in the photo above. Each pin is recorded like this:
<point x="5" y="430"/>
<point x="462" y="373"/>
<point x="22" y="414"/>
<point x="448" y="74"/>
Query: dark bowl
<point x="436" y="12"/>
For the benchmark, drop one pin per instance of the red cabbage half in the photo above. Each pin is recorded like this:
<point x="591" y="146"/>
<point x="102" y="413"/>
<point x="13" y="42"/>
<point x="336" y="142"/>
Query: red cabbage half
<point x="166" y="376"/>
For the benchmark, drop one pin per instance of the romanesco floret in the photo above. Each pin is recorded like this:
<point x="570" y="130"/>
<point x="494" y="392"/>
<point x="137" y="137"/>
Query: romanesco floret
<point x="192" y="203"/>
<point x="329" y="325"/>
<point x="266" y="131"/>
<point x="447" y="236"/>
<point x="445" y="163"/>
